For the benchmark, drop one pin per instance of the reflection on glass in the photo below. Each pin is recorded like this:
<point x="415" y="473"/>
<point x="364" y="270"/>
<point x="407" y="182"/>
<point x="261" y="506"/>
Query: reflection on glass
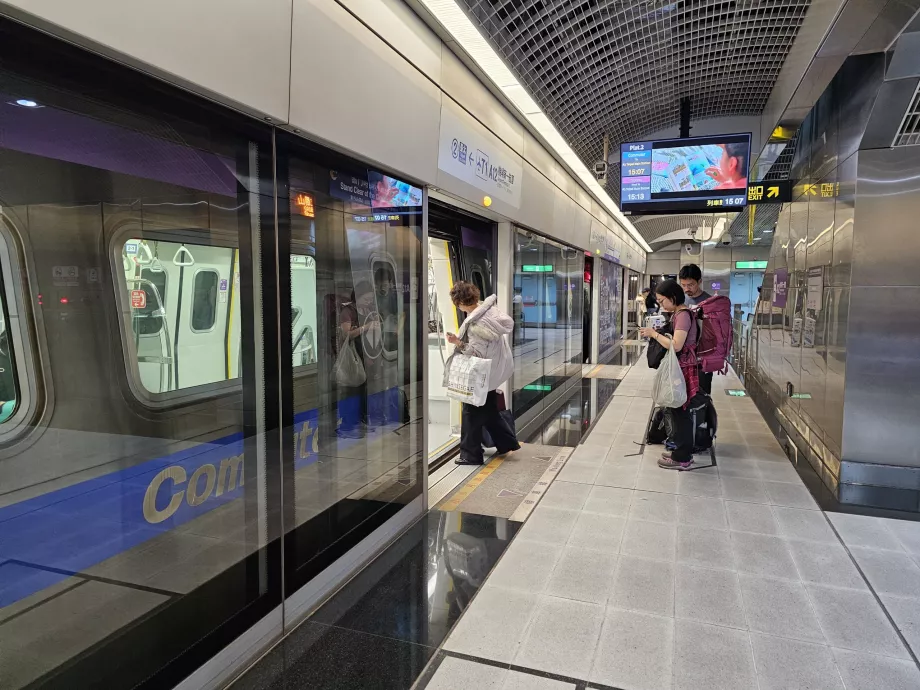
<point x="355" y="279"/>
<point x="131" y="491"/>
<point x="548" y="311"/>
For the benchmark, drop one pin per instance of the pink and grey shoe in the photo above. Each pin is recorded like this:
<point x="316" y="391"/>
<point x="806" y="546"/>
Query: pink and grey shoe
<point x="668" y="462"/>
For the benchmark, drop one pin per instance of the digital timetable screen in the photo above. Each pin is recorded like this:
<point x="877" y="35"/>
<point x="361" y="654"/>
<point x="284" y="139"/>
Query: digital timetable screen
<point x="698" y="174"/>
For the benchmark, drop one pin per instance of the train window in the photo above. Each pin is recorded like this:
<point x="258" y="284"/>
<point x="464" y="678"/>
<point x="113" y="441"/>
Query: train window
<point x="204" y="300"/>
<point x="479" y="281"/>
<point x="9" y="396"/>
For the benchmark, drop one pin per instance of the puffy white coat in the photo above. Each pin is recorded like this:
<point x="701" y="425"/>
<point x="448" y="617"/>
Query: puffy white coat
<point x="483" y="334"/>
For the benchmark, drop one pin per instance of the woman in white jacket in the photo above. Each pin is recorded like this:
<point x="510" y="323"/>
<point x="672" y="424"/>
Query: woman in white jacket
<point x="482" y="334"/>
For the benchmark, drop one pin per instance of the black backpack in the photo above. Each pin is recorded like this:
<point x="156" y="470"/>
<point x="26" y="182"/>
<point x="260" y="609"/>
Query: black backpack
<point x="658" y="430"/>
<point x="705" y="422"/>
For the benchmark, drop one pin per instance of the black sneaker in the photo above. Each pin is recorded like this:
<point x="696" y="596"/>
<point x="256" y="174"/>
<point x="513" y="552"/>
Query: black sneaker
<point x="464" y="461"/>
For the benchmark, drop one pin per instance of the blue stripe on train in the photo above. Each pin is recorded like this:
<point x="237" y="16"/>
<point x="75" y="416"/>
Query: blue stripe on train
<point x="77" y="527"/>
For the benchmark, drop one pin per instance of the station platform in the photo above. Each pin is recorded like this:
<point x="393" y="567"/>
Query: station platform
<point x="626" y="576"/>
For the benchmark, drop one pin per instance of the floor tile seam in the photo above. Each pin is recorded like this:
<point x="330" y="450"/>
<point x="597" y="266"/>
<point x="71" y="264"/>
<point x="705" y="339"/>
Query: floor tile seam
<point x="828" y="646"/>
<point x="875" y="595"/>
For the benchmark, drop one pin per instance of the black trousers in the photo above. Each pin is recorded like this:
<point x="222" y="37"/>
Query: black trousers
<point x="706" y="382"/>
<point x="681" y="426"/>
<point x="472" y="421"/>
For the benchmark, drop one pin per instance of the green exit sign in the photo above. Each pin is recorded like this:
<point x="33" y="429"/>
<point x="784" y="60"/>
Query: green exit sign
<point x="537" y="268"/>
<point x="538" y="387"/>
<point x="759" y="265"/>
<point x="735" y="393"/>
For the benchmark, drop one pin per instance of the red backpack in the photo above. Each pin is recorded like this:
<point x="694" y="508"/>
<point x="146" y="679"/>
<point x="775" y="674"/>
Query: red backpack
<point x="715" y="319"/>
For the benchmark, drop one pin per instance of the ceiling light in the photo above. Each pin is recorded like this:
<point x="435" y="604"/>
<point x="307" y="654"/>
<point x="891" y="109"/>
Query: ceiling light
<point x="26" y="103"/>
<point x="449" y="14"/>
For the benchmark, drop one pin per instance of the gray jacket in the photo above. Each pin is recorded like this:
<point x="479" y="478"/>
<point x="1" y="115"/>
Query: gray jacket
<point x="483" y="334"/>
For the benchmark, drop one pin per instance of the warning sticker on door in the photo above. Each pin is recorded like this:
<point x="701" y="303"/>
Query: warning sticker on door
<point x="138" y="299"/>
<point x="223" y="284"/>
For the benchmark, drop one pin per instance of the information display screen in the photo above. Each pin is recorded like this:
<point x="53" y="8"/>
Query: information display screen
<point x="698" y="174"/>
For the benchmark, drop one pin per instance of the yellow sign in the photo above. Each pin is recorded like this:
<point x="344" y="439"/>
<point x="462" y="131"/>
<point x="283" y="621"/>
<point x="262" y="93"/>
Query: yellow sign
<point x="304" y="204"/>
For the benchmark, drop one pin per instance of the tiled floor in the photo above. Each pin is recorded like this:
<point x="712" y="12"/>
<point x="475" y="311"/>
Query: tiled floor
<point x="726" y="577"/>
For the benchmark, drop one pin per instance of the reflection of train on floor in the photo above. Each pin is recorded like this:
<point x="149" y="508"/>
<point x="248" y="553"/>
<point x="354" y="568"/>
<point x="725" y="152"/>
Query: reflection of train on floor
<point x="124" y="325"/>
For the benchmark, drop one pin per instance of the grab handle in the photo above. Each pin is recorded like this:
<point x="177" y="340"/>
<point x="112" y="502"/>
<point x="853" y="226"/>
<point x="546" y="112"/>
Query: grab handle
<point x="179" y="261"/>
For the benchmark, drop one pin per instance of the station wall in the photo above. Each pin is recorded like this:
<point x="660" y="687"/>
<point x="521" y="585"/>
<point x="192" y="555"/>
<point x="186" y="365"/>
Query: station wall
<point x="306" y="65"/>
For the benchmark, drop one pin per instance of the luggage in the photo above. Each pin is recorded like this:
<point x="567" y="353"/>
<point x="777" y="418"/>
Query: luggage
<point x="715" y="343"/>
<point x="658" y="430"/>
<point x="705" y="422"/>
<point x="505" y="414"/>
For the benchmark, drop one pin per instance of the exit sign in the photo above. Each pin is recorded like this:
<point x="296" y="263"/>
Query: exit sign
<point x="751" y="265"/>
<point x="735" y="393"/>
<point x="544" y="387"/>
<point x="537" y="268"/>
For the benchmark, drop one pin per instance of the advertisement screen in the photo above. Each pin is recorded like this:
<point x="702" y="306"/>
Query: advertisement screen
<point x="697" y="174"/>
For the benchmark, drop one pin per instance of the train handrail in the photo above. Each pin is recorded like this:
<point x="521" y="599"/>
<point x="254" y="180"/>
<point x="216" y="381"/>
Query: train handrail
<point x="179" y="251"/>
<point x="167" y="359"/>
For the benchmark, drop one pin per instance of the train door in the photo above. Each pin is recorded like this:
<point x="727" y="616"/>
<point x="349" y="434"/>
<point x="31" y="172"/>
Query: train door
<point x="459" y="248"/>
<point x="205" y="274"/>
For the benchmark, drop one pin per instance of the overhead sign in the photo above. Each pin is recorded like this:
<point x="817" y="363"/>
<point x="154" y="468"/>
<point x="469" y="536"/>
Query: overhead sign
<point x="822" y="190"/>
<point x="751" y="265"/>
<point x="534" y="268"/>
<point x="776" y="192"/>
<point x="543" y="387"/>
<point x="138" y="299"/>
<point x="469" y="156"/>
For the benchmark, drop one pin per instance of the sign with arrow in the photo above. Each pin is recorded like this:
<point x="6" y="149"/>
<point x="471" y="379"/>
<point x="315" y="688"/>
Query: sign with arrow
<point x="776" y="192"/>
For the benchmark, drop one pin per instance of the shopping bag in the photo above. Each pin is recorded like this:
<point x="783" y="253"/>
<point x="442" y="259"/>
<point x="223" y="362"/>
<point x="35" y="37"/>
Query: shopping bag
<point x="468" y="379"/>
<point x="669" y="388"/>
<point x="349" y="369"/>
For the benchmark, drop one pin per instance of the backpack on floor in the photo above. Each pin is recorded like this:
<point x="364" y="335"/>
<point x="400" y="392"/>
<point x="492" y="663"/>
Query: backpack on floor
<point x="705" y="422"/>
<point x="657" y="428"/>
<point x="715" y="344"/>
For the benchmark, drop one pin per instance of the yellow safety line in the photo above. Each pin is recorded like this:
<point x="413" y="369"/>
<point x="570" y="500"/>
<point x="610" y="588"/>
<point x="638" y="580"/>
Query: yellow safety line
<point x="472" y="484"/>
<point x="236" y="267"/>
<point x="594" y="371"/>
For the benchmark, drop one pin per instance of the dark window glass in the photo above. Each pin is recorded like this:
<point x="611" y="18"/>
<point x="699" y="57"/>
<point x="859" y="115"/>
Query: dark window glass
<point x="204" y="300"/>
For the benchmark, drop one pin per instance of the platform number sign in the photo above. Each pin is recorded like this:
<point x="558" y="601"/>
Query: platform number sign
<point x="138" y="299"/>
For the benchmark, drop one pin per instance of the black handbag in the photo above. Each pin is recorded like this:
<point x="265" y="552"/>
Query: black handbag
<point x="656" y="351"/>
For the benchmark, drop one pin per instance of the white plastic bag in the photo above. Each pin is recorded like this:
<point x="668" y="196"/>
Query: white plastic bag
<point x="468" y="379"/>
<point x="669" y="388"/>
<point x="349" y="369"/>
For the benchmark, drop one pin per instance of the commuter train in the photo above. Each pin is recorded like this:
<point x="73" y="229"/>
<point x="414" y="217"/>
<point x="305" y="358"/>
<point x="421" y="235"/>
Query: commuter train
<point x="123" y="339"/>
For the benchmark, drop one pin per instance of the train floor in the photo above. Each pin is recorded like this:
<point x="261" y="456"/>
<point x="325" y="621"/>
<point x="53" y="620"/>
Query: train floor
<point x="625" y="575"/>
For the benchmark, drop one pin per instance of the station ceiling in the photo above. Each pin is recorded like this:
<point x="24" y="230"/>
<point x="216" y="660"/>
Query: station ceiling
<point x="620" y="68"/>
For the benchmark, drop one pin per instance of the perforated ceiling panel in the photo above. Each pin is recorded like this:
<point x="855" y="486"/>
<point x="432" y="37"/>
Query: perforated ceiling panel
<point x="620" y="68"/>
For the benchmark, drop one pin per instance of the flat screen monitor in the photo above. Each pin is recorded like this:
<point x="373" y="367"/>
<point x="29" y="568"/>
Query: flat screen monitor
<point x="698" y="175"/>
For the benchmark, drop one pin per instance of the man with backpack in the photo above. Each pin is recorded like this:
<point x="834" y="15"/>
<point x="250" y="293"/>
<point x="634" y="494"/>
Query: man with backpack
<point x="691" y="278"/>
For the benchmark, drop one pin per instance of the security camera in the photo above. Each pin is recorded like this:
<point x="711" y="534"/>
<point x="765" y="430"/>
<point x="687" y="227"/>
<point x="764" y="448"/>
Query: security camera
<point x="726" y="239"/>
<point x="600" y="170"/>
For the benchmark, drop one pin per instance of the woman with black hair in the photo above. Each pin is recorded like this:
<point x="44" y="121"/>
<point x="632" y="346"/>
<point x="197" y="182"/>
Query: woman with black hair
<point x="670" y="298"/>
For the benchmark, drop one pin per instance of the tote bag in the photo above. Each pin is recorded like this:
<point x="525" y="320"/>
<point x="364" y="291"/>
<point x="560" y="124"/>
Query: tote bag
<point x="669" y="389"/>
<point x="468" y="379"/>
<point x="349" y="369"/>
